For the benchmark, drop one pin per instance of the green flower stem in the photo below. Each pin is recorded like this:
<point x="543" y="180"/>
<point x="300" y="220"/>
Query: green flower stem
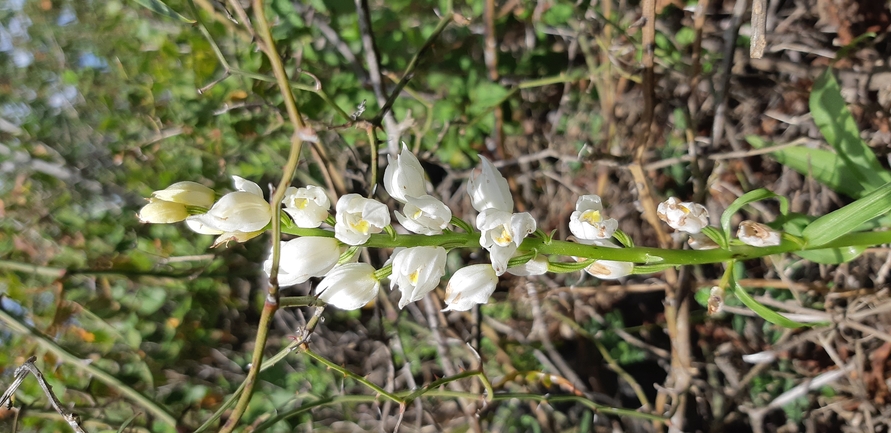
<point x="346" y="373"/>
<point x="642" y="255"/>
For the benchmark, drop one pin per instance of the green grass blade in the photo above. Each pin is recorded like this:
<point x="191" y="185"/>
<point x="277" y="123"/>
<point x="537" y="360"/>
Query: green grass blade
<point x="847" y="219"/>
<point x="840" y="130"/>
<point x="832" y="256"/>
<point x="749" y="197"/>
<point x="159" y="7"/>
<point x="762" y="311"/>
<point x="825" y="166"/>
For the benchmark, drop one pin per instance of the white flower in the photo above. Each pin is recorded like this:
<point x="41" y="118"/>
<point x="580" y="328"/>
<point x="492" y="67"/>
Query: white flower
<point x="404" y="177"/>
<point x="537" y="266"/>
<point x="358" y="218"/>
<point x="349" y="286"/>
<point x="238" y="216"/>
<point x="502" y="233"/>
<point x="699" y="241"/>
<point x="489" y="189"/>
<point x="187" y="193"/>
<point x="757" y="234"/>
<point x="684" y="216"/>
<point x="424" y="215"/>
<point x="469" y="286"/>
<point x="163" y="212"/>
<point x="587" y="222"/>
<point x="417" y="271"/>
<point x="304" y="257"/>
<point x="307" y="206"/>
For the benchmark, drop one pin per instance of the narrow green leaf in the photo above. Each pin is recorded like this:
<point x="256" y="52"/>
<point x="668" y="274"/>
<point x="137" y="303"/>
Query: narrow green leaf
<point x="832" y="256"/>
<point x="157" y="6"/>
<point x="840" y="130"/>
<point x="824" y="166"/>
<point x="762" y="311"/>
<point x="847" y="219"/>
<point x="749" y="197"/>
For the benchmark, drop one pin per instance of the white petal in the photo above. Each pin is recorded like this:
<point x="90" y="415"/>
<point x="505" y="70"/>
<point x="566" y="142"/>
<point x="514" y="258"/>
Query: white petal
<point x="242" y="184"/>
<point x="489" y="189"/>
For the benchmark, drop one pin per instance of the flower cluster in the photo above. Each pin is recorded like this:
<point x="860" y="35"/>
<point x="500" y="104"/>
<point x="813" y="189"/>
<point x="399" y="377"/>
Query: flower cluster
<point x="415" y="269"/>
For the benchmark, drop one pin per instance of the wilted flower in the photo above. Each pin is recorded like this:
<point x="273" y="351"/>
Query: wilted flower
<point x="757" y="234"/>
<point x="699" y="241"/>
<point x="187" y="193"/>
<point x="304" y="257"/>
<point x="610" y="269"/>
<point x="307" y="206"/>
<point x="349" y="286"/>
<point x="684" y="216"/>
<point x="588" y="222"/>
<point x="238" y="216"/>
<point x="469" y="286"/>
<point x="489" y="189"/>
<point x="417" y="271"/>
<point x="424" y="215"/>
<point x="502" y="233"/>
<point x="163" y="212"/>
<point x="715" y="301"/>
<point x="358" y="218"/>
<point x="537" y="266"/>
<point x="404" y="176"/>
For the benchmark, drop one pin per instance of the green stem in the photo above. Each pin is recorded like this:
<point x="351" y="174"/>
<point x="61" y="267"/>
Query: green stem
<point x="48" y="344"/>
<point x="354" y="376"/>
<point x="642" y="255"/>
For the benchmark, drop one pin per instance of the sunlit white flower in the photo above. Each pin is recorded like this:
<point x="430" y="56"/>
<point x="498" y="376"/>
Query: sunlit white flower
<point x="501" y="233"/>
<point x="163" y="212"/>
<point x="424" y="215"/>
<point x="469" y="286"/>
<point x="537" y="266"/>
<point x="307" y="206"/>
<point x="304" y="257"/>
<point x="237" y="216"/>
<point x="417" y="271"/>
<point x="757" y="234"/>
<point x="699" y="241"/>
<point x="358" y="218"/>
<point x="588" y="221"/>
<point x="404" y="176"/>
<point x="187" y="193"/>
<point x="349" y="286"/>
<point x="684" y="216"/>
<point x="489" y="189"/>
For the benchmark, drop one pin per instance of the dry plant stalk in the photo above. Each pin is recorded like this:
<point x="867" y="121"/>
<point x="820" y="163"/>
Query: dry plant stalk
<point x="20" y="374"/>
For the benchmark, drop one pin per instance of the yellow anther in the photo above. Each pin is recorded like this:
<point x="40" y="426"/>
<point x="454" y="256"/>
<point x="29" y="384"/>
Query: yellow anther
<point x="591" y="216"/>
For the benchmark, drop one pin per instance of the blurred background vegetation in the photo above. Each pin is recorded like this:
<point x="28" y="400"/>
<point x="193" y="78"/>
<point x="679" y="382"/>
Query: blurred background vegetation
<point x="102" y="102"/>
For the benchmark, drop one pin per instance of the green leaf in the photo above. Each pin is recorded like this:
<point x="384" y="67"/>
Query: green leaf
<point x="847" y="219"/>
<point x="826" y="167"/>
<point x="832" y="256"/>
<point x="840" y="130"/>
<point x="158" y="7"/>
<point x="762" y="311"/>
<point x="749" y="197"/>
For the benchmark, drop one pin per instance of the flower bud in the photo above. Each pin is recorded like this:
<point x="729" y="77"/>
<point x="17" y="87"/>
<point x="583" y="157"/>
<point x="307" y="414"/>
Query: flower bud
<point x="684" y="216"/>
<point x="163" y="212"/>
<point x="303" y="258"/>
<point x="609" y="269"/>
<point x="757" y="234"/>
<point x="417" y="271"/>
<point x="307" y="206"/>
<point x="404" y="176"/>
<point x="358" y="218"/>
<point x="469" y="286"/>
<point x="588" y="221"/>
<point x="715" y="301"/>
<point x="349" y="286"/>
<point x="489" y="189"/>
<point x="187" y="193"/>
<point x="699" y="241"/>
